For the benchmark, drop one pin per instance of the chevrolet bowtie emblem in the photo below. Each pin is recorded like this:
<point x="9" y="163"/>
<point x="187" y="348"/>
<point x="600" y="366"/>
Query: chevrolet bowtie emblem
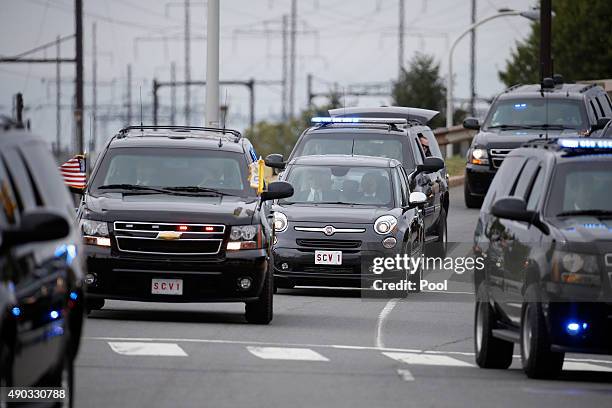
<point x="168" y="235"/>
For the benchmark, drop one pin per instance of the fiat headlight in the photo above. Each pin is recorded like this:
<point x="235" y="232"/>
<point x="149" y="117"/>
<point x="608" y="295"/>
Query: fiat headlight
<point x="280" y="222"/>
<point x="385" y="224"/>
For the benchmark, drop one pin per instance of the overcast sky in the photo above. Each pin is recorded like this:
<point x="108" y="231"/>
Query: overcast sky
<point x="343" y="41"/>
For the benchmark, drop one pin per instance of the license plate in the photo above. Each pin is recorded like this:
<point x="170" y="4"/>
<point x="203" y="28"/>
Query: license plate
<point x="328" y="257"/>
<point x="167" y="286"/>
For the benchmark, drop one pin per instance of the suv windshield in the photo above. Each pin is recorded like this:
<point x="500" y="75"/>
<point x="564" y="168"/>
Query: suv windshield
<point x="539" y="113"/>
<point x="391" y="146"/>
<point x="195" y="171"/>
<point x="581" y="188"/>
<point x="340" y="185"/>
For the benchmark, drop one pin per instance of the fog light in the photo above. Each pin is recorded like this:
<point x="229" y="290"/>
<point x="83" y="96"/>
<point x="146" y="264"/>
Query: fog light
<point x="389" y="242"/>
<point x="284" y="266"/>
<point x="90" y="278"/>
<point x="244" y="283"/>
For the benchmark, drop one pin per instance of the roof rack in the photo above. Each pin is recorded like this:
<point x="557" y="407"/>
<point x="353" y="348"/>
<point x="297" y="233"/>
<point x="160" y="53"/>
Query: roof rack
<point x="237" y="135"/>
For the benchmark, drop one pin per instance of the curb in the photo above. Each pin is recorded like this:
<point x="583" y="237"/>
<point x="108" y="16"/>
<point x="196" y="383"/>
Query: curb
<point x="456" y="181"/>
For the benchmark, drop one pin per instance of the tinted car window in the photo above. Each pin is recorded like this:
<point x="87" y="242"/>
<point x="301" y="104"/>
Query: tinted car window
<point x="536" y="190"/>
<point x="19" y="173"/>
<point x="8" y="205"/>
<point x="434" y="148"/>
<point x="46" y="177"/>
<point x="581" y="186"/>
<point x="525" y="179"/>
<point x="568" y="113"/>
<point x="504" y="179"/>
<point x="173" y="167"/>
<point x="392" y="146"/>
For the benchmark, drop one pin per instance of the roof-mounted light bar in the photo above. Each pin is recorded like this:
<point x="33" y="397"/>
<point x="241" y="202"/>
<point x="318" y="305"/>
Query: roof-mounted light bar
<point x="584" y="143"/>
<point x="383" y="121"/>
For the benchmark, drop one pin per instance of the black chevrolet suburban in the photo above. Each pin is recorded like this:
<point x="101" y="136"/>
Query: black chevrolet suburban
<point x="524" y="112"/>
<point x="545" y="233"/>
<point x="170" y="214"/>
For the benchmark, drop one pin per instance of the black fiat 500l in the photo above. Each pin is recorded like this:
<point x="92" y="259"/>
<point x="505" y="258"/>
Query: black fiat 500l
<point x="169" y="215"/>
<point x="545" y="232"/>
<point x="346" y="210"/>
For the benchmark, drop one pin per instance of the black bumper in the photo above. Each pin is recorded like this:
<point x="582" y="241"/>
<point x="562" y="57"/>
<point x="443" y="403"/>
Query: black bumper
<point x="204" y="280"/>
<point x="478" y="178"/>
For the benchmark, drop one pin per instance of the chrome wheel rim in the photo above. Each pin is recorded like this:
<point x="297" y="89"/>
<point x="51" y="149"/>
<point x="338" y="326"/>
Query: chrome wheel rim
<point x="479" y="326"/>
<point x="527" y="334"/>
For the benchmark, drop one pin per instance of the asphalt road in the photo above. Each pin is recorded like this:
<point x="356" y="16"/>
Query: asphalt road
<point x="324" y="348"/>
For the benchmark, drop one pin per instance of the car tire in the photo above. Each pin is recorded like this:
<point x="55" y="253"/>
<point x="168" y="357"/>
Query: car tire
<point x="92" y="304"/>
<point x="471" y="201"/>
<point x="415" y="249"/>
<point x="261" y="311"/>
<point x="537" y="358"/>
<point x="6" y="363"/>
<point x="441" y="244"/>
<point x="490" y="352"/>
<point x="65" y="379"/>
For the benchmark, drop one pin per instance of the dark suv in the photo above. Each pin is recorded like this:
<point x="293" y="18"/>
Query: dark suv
<point x="394" y="132"/>
<point x="525" y="112"/>
<point x="545" y="233"/>
<point x="41" y="273"/>
<point x="170" y="215"/>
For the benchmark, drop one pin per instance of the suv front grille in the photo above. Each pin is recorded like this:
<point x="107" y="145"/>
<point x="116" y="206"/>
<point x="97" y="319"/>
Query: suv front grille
<point x="330" y="269"/>
<point x="147" y="238"/>
<point x="328" y="243"/>
<point x="498" y="156"/>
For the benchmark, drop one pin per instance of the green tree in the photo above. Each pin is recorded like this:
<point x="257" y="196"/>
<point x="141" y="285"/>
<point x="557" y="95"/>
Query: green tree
<point x="581" y="44"/>
<point x="421" y="86"/>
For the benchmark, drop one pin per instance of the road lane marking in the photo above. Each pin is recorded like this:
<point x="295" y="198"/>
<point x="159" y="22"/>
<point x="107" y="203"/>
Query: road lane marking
<point x="133" y="348"/>
<point x="427" y="359"/>
<point x="309" y="345"/>
<point x="405" y="375"/>
<point x="581" y="366"/>
<point x="381" y="322"/>
<point x="286" y="353"/>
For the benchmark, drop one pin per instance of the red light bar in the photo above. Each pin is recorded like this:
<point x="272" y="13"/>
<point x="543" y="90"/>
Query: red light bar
<point x="183" y="228"/>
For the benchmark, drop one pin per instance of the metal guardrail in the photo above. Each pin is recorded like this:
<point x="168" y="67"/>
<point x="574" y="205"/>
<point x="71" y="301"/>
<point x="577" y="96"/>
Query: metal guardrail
<point x="455" y="140"/>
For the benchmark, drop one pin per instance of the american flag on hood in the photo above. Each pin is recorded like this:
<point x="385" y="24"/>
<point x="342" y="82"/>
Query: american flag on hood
<point x="73" y="172"/>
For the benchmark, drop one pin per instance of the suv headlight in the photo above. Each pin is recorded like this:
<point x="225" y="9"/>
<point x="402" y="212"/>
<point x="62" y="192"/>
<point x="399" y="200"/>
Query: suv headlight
<point x="572" y="267"/>
<point x="244" y="237"/>
<point x="280" y="222"/>
<point x="385" y="224"/>
<point x="478" y="156"/>
<point x="95" y="232"/>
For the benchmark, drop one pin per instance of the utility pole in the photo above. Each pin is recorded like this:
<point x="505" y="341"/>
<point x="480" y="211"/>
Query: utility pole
<point x="212" y="64"/>
<point x="309" y="90"/>
<point x="129" y="95"/>
<point x="173" y="94"/>
<point x="400" y="42"/>
<point x="293" y="56"/>
<point x="19" y="109"/>
<point x="473" y="60"/>
<point x="94" y="78"/>
<point x="187" y="63"/>
<point x="285" y="66"/>
<point x="58" y="100"/>
<point x="545" y="39"/>
<point x="78" y="110"/>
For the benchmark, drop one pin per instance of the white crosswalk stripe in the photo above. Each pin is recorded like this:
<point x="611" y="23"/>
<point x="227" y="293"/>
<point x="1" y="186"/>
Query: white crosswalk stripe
<point x="286" y="353"/>
<point x="427" y="359"/>
<point x="134" y="348"/>
<point x="580" y="366"/>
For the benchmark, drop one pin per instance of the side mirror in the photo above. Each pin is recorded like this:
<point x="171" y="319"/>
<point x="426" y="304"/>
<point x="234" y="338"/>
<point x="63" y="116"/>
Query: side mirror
<point x="36" y="225"/>
<point x="431" y="164"/>
<point x="275" y="161"/>
<point x="277" y="190"/>
<point x="417" y="198"/>
<point x="515" y="208"/>
<point x="601" y="123"/>
<point x="471" y="123"/>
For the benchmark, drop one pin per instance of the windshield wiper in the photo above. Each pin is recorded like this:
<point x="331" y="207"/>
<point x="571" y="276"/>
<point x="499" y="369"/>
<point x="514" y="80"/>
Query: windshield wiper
<point x="197" y="189"/>
<point x="341" y="203"/>
<point x="132" y="187"/>
<point x="596" y="213"/>
<point x="503" y="127"/>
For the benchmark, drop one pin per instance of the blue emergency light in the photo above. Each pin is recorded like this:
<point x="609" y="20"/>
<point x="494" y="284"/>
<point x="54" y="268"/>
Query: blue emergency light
<point x="584" y="143"/>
